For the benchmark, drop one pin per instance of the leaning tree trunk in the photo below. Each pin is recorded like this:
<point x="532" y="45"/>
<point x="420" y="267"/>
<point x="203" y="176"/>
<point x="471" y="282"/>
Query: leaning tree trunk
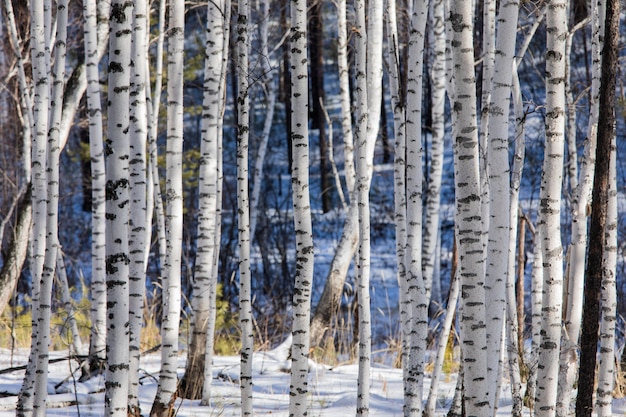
<point x="301" y="211"/>
<point x="168" y="380"/>
<point x="550" y="214"/>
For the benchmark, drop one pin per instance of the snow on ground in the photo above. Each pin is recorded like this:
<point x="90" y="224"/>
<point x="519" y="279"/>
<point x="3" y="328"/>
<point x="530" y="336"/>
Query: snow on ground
<point x="332" y="390"/>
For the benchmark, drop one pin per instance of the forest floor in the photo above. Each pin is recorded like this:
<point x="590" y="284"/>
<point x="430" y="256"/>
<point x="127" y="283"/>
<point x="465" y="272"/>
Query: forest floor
<point x="332" y="389"/>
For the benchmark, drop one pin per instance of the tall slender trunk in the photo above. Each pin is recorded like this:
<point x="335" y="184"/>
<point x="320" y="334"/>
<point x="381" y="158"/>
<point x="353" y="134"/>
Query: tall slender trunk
<point x="579" y="227"/>
<point x="243" y="210"/>
<point x="204" y="285"/>
<point x="418" y="325"/>
<point x="117" y="210"/>
<point x="469" y="212"/>
<point x="138" y="226"/>
<point x="606" y="370"/>
<point x="550" y="211"/>
<point x="41" y="96"/>
<point x="499" y="193"/>
<point x="433" y="199"/>
<point x="301" y="210"/>
<point x="97" y="340"/>
<point x="168" y="380"/>
<point x="595" y="269"/>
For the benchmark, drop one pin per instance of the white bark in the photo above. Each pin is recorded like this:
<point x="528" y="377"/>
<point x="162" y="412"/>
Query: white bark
<point x="606" y="371"/>
<point x="430" y="245"/>
<point x="399" y="191"/>
<point x="514" y="350"/>
<point x="208" y="361"/>
<point x="499" y="193"/>
<point x="368" y="56"/>
<point x="97" y="341"/>
<point x="413" y="384"/>
<point x="117" y="211"/>
<point x="301" y="210"/>
<point x="41" y="94"/>
<point x="243" y="210"/>
<point x="168" y="379"/>
<point x="344" y="91"/>
<point x="469" y="213"/>
<point x="579" y="233"/>
<point x="269" y="85"/>
<point x="549" y="225"/>
<point x="139" y="233"/>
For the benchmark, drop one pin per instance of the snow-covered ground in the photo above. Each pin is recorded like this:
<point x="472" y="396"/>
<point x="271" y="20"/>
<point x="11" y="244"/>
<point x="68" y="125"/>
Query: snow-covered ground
<point x="332" y="390"/>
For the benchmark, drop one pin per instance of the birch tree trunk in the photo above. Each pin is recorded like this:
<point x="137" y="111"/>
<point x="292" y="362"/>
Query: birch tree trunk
<point x="168" y="380"/>
<point x="596" y="265"/>
<point x="579" y="234"/>
<point x="52" y="241"/>
<point x="515" y="347"/>
<point x="117" y="209"/>
<point x="433" y="199"/>
<point x="208" y="360"/>
<point x="243" y="210"/>
<point x="205" y="277"/>
<point x="301" y="210"/>
<point x="97" y="339"/>
<point x="344" y="91"/>
<point x="550" y="211"/>
<point x="399" y="171"/>
<point x="368" y="58"/>
<point x="499" y="193"/>
<point x="138" y="221"/>
<point x="418" y="325"/>
<point x="41" y="96"/>
<point x="469" y="213"/>
<point x="269" y="85"/>
<point x="606" y="370"/>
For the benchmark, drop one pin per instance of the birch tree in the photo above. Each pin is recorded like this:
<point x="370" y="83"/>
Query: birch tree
<point x="117" y="211"/>
<point x="39" y="57"/>
<point x="57" y="79"/>
<point x="138" y="226"/>
<point x="97" y="337"/>
<point x="596" y="256"/>
<point x="579" y="226"/>
<point x="168" y="379"/>
<point x="301" y="210"/>
<point x="433" y="198"/>
<point x="418" y="325"/>
<point x="344" y="91"/>
<point x="204" y="285"/>
<point x="550" y="210"/>
<point x="499" y="194"/>
<point x="368" y="65"/>
<point x="468" y="212"/>
<point x="243" y="210"/>
<point x="606" y="369"/>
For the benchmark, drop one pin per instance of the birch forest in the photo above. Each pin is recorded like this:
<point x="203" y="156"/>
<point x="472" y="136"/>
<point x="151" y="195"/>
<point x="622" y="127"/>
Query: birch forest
<point x="429" y="186"/>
